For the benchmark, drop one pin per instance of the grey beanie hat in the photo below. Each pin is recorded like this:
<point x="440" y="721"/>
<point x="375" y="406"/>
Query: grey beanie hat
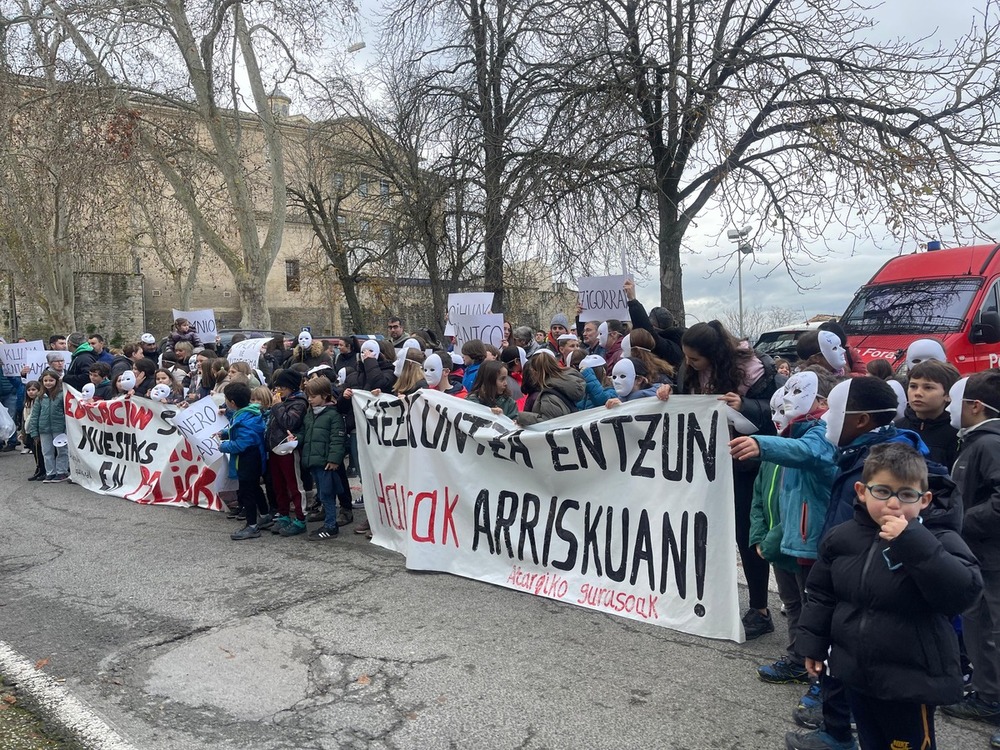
<point x="560" y="319"/>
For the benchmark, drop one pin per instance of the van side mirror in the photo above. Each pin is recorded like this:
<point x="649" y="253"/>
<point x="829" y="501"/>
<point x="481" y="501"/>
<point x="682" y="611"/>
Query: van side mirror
<point x="986" y="328"/>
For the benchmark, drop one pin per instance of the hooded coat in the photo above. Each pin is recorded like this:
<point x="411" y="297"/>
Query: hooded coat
<point x="938" y="435"/>
<point x="312" y="357"/>
<point x="245" y="433"/>
<point x="977" y="474"/>
<point x="558" y="399"/>
<point x="884" y="607"/>
<point x="78" y="372"/>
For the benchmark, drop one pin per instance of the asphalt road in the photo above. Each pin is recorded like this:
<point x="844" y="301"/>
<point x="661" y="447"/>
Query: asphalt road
<point x="179" y="638"/>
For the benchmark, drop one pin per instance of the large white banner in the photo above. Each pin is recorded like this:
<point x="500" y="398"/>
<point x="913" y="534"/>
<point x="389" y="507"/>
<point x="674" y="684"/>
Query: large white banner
<point x="602" y="298"/>
<point x="628" y="511"/>
<point x="202" y="323"/>
<point x="14" y="356"/>
<point x="129" y="448"/>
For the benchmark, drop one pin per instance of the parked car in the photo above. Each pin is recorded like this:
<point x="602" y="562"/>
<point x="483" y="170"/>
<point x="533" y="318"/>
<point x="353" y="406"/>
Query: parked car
<point x="226" y="336"/>
<point x="952" y="295"/>
<point x="780" y="342"/>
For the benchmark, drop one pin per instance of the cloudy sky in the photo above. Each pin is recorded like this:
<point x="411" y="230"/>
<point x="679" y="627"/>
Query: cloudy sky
<point x="709" y="290"/>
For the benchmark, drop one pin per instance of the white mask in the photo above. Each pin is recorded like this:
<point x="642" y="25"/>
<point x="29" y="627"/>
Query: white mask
<point x="88" y="390"/>
<point x="778" y="410"/>
<point x="623" y="377"/>
<point x="957" y="393"/>
<point x="602" y="334"/>
<point x="800" y="394"/>
<point x="341" y="376"/>
<point x="523" y="355"/>
<point x="433" y="370"/>
<point x="900" y="396"/>
<point x="592" y="360"/>
<point x="193" y="363"/>
<point x="923" y="349"/>
<point x="627" y="346"/>
<point x="159" y="391"/>
<point x="400" y="362"/>
<point x="832" y="349"/>
<point x="371" y="346"/>
<point x="305" y="339"/>
<point x="411" y="344"/>
<point x="126" y="381"/>
<point x="834" y="417"/>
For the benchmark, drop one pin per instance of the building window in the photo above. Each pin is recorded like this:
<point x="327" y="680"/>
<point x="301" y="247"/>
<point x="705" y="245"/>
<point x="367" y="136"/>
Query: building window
<point x="293" y="283"/>
<point x="383" y="190"/>
<point x="338" y="181"/>
<point x="365" y="227"/>
<point x="363" y="185"/>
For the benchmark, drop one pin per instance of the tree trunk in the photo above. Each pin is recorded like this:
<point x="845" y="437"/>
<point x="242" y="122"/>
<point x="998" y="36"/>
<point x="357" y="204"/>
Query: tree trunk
<point x="254" y="312"/>
<point x="670" y="236"/>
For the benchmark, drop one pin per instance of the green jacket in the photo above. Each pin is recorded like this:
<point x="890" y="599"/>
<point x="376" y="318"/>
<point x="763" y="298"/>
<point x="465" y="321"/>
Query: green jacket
<point x="506" y="403"/>
<point x="47" y="416"/>
<point x="765" y="516"/>
<point x="323" y="438"/>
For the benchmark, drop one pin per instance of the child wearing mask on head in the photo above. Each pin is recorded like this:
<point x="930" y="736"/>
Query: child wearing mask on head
<point x="323" y="440"/>
<point x="880" y="596"/>
<point x="806" y="456"/>
<point x="630" y="379"/>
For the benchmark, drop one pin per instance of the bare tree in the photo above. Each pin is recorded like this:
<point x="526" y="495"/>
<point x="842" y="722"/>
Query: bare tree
<point x="786" y="115"/>
<point x="756" y="320"/>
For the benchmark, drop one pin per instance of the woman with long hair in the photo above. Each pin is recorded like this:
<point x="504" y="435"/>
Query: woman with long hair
<point x="490" y="389"/>
<point x="554" y="390"/>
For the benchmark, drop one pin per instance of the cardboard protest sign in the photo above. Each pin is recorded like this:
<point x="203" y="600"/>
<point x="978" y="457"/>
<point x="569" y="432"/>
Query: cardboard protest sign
<point x="37" y="362"/>
<point x="129" y="448"/>
<point x="627" y="511"/>
<point x="487" y="328"/>
<point x="469" y="303"/>
<point x="199" y="423"/>
<point x="14" y="356"/>
<point x="202" y="323"/>
<point x="602" y="298"/>
<point x="248" y="351"/>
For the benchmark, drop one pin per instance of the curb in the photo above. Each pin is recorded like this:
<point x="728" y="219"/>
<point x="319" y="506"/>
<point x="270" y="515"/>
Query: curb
<point x="57" y="706"/>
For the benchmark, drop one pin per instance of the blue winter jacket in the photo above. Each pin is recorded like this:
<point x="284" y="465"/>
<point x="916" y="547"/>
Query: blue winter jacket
<point x="470" y="376"/>
<point x="808" y="459"/>
<point x="597" y="394"/>
<point x="245" y="433"/>
<point x="648" y="392"/>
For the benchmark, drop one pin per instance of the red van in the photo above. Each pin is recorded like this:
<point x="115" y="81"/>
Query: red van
<point x="952" y="295"/>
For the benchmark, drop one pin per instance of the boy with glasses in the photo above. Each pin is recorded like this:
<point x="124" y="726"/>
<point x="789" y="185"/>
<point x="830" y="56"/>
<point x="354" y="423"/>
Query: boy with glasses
<point x="977" y="473"/>
<point x="880" y="597"/>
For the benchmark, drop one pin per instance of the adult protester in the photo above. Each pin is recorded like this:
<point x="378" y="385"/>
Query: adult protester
<point x="659" y="322"/>
<point x="524" y="337"/>
<point x="309" y="351"/>
<point x="78" y="374"/>
<point x="553" y="390"/>
<point x="149" y="348"/>
<point x="397" y="334"/>
<point x="589" y="337"/>
<point x="57" y="342"/>
<point x="97" y="342"/>
<point x="559" y="326"/>
<point x="610" y="334"/>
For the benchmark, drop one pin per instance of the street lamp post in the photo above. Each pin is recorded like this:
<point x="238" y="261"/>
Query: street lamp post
<point x="739" y="236"/>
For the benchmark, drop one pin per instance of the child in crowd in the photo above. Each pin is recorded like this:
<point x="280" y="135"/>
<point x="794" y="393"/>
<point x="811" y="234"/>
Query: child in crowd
<point x="48" y="420"/>
<point x="437" y="374"/>
<point x="100" y="376"/>
<point x="782" y="368"/>
<point x="927" y="397"/>
<point x="977" y="474"/>
<point x="631" y="381"/>
<point x="880" y="595"/>
<point x="410" y="373"/>
<point x="880" y="368"/>
<point x="32" y="390"/>
<point x="474" y="354"/>
<point x="490" y="389"/>
<point x="859" y="417"/>
<point x="806" y="456"/>
<point x="164" y="377"/>
<point x="593" y="368"/>
<point x="287" y="416"/>
<point x="262" y="396"/>
<point x="244" y="441"/>
<point x="323" y="441"/>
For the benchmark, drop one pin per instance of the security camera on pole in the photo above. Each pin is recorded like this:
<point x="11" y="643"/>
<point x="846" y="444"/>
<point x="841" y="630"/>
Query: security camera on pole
<point x="739" y="236"/>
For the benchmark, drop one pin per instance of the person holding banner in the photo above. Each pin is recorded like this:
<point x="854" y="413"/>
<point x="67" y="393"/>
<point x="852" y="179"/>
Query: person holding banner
<point x="490" y="389"/>
<point x="47" y="421"/>
<point x="553" y="390"/>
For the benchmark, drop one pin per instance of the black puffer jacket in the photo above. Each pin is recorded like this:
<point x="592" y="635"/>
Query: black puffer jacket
<point x="288" y="415"/>
<point x="373" y="373"/>
<point x="889" y="628"/>
<point x="977" y="474"/>
<point x="312" y="357"/>
<point x="668" y="342"/>
<point x="938" y="435"/>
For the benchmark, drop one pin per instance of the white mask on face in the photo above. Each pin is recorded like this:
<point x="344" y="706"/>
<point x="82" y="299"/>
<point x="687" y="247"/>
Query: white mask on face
<point x="159" y="391"/>
<point x="126" y="381"/>
<point x="832" y="349"/>
<point x="602" y="334"/>
<point x="341" y="376"/>
<point x="192" y="362"/>
<point x="627" y="346"/>
<point x="400" y="362"/>
<point x="800" y="394"/>
<point x="956" y="393"/>
<point x="305" y="339"/>
<point x="897" y="387"/>
<point x="88" y="390"/>
<point x="371" y="346"/>
<point x="778" y="410"/>
<point x="623" y="377"/>
<point x="834" y="417"/>
<point x="923" y="349"/>
<point x="433" y="370"/>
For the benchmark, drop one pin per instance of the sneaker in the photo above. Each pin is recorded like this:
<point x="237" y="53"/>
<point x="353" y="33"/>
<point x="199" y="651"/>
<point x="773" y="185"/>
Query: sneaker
<point x="278" y="523"/>
<point x="36" y="477"/>
<point x="345" y="516"/>
<point x="293" y="528"/>
<point x="316" y="515"/>
<point x="60" y="478"/>
<point x="265" y="521"/>
<point x="359" y="502"/>
<point x="363" y="528"/>
<point x="25" y="451"/>
<point x="49" y="479"/>
<point x="974" y="707"/>
<point x="323" y="533"/>
<point x="755" y="624"/>
<point x="995" y="740"/>
<point x="809" y="712"/>
<point x="783" y="672"/>
<point x="247" y="532"/>
<point x="236" y="514"/>
<point x="816" y="740"/>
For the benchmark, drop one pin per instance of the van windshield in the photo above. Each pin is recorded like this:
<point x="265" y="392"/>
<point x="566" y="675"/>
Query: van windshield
<point x="931" y="306"/>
